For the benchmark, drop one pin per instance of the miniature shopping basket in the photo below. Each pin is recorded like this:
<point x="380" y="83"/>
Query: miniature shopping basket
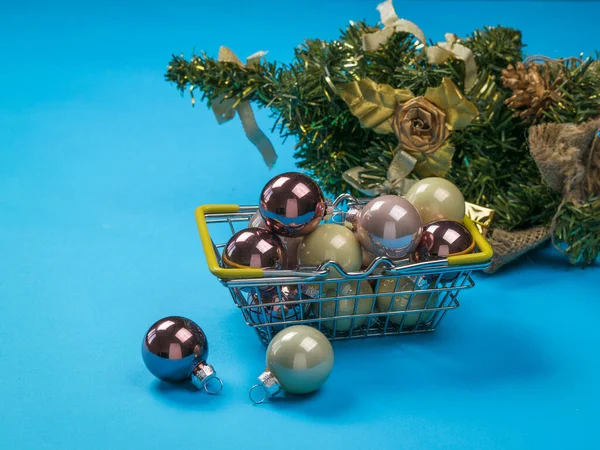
<point x="402" y="296"/>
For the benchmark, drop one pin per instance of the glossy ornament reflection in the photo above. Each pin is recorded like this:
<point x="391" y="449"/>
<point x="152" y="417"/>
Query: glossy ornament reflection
<point x="444" y="238"/>
<point x="175" y="349"/>
<point x="255" y="247"/>
<point x="276" y="304"/>
<point x="299" y="360"/>
<point x="292" y="204"/>
<point x="331" y="242"/>
<point x="388" y="226"/>
<point x="403" y="291"/>
<point x="291" y="244"/>
<point x="437" y="198"/>
<point x="344" y="306"/>
<point x="367" y="258"/>
<point x="256" y="221"/>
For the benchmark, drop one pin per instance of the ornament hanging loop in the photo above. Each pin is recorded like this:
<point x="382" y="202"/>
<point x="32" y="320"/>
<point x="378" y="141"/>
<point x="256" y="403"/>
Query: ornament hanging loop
<point x="262" y="399"/>
<point x="269" y="384"/>
<point x="211" y="391"/>
<point x="202" y="375"/>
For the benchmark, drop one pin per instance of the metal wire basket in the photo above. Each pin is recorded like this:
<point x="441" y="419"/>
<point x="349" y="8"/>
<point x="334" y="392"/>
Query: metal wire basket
<point x="389" y="297"/>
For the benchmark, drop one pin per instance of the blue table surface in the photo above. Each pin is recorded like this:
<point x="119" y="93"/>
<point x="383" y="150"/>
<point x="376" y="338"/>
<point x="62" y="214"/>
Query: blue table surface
<point x="101" y="166"/>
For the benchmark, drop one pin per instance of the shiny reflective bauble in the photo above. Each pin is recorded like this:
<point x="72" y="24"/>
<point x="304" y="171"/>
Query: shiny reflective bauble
<point x="292" y="204"/>
<point x="331" y="242"/>
<point x="301" y="358"/>
<point x="291" y="244"/>
<point x="256" y="221"/>
<point x="273" y="304"/>
<point x="367" y="258"/>
<point x="173" y="347"/>
<point x="444" y="238"/>
<point x="345" y="306"/>
<point x="399" y="302"/>
<point x="255" y="247"/>
<point x="436" y="198"/>
<point x="389" y="226"/>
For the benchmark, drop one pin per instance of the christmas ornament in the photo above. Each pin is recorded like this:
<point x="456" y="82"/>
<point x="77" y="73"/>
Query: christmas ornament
<point x="493" y="165"/>
<point x="444" y="238"/>
<point x="255" y="247"/>
<point x="331" y="242"/>
<point x="256" y="221"/>
<point x="438" y="54"/>
<point x="225" y="108"/>
<point x="291" y="244"/>
<point x="421" y="124"/>
<point x="399" y="302"/>
<point x="175" y="349"/>
<point x="535" y="88"/>
<point x="367" y="258"/>
<point x="388" y="226"/>
<point x="292" y="204"/>
<point x="299" y="360"/>
<point x="345" y="306"/>
<point x="480" y="216"/>
<point x="394" y="182"/>
<point x="437" y="198"/>
<point x="274" y="305"/>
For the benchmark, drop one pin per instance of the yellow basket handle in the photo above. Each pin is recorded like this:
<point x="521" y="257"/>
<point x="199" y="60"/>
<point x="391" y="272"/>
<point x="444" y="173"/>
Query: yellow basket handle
<point x="484" y="254"/>
<point x="207" y="245"/>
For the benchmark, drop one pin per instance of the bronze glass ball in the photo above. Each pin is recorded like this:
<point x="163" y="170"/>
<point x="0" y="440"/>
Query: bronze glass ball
<point x="255" y="247"/>
<point x="389" y="226"/>
<point x="292" y="204"/>
<point x="444" y="238"/>
<point x="173" y="347"/>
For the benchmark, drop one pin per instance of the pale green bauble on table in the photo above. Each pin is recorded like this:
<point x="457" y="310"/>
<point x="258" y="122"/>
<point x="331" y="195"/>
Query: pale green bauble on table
<point x="400" y="301"/>
<point x="345" y="307"/>
<point x="331" y="242"/>
<point x="436" y="198"/>
<point x="301" y="358"/>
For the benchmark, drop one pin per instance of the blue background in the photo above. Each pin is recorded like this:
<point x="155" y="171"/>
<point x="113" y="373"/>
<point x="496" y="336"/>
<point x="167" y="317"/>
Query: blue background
<point x="101" y="166"/>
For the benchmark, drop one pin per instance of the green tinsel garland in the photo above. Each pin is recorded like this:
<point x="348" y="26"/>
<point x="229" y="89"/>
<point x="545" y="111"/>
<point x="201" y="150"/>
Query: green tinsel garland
<point x="492" y="165"/>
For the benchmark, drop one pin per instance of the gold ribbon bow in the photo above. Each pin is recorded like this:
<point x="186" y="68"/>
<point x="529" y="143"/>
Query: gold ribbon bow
<point x="225" y="108"/>
<point x="391" y="24"/>
<point x="395" y="182"/>
<point x="442" y="51"/>
<point x="422" y="124"/>
<point x="437" y="54"/>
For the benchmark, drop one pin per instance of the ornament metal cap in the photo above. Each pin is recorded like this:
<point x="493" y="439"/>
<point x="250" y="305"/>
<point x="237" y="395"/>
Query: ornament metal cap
<point x="269" y="384"/>
<point x="351" y="216"/>
<point x="202" y="375"/>
<point x="329" y="209"/>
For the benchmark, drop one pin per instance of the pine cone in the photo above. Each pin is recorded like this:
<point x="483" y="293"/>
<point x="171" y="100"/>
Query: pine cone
<point x="534" y="89"/>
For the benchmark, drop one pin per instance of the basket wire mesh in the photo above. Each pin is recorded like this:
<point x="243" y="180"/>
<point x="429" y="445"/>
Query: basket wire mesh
<point x="389" y="297"/>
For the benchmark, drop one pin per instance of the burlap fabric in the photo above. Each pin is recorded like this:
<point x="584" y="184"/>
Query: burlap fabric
<point x="568" y="157"/>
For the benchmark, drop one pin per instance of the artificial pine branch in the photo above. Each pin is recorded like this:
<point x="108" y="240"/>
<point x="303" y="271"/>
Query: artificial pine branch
<point x="492" y="164"/>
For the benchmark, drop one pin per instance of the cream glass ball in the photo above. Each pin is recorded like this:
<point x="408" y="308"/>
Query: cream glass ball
<point x="400" y="301"/>
<point x="345" y="306"/>
<point x="436" y="198"/>
<point x="301" y="358"/>
<point x="331" y="242"/>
